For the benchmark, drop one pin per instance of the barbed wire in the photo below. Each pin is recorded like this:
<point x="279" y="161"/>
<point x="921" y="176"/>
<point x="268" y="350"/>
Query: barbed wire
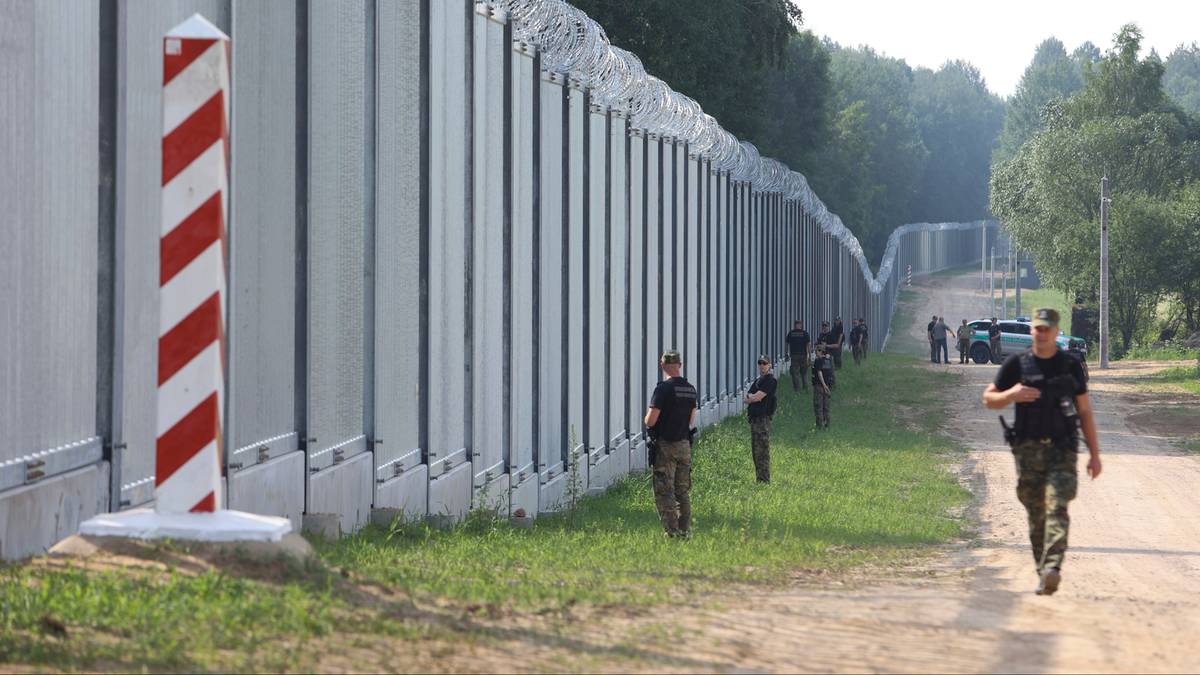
<point x="573" y="44"/>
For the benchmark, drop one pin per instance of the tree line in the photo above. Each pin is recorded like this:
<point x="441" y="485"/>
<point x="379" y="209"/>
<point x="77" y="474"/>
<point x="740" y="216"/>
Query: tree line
<point x="885" y="144"/>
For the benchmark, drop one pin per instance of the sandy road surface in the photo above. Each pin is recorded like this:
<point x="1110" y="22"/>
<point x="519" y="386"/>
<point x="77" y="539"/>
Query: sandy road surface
<point x="1130" y="600"/>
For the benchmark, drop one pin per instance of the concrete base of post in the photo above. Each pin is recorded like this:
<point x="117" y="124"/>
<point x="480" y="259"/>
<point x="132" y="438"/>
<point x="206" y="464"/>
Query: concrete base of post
<point x="218" y="526"/>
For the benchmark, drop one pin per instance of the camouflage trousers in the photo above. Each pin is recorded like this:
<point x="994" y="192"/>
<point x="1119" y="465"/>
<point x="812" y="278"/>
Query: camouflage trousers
<point x="672" y="483"/>
<point x="820" y="406"/>
<point x="859" y="353"/>
<point x="799" y="372"/>
<point x="836" y="353"/>
<point x="1047" y="479"/>
<point x="760" y="447"/>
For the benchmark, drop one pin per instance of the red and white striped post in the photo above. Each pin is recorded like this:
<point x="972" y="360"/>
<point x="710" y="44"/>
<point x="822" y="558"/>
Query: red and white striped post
<point x="191" y="342"/>
<point x="191" y="333"/>
<point x="909" y="282"/>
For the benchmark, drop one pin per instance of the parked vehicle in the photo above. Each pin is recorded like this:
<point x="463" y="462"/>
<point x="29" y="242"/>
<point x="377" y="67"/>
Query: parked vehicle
<point x="1017" y="335"/>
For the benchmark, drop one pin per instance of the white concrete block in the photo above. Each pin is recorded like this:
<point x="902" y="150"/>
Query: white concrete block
<point x="407" y="493"/>
<point x="524" y="497"/>
<point x="450" y="493"/>
<point x="35" y="517"/>
<point x="273" y="488"/>
<point x="344" y="489"/>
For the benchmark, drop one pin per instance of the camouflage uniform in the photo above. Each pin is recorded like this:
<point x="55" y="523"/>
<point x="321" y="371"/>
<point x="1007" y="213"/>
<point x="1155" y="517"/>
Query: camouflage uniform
<point x="760" y="447"/>
<point x="820" y="406"/>
<point x="672" y="482"/>
<point x="1047" y="480"/>
<point x="799" y="371"/>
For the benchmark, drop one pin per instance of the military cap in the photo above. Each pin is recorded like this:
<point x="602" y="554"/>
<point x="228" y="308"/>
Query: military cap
<point x="1044" y="316"/>
<point x="671" y="356"/>
<point x="763" y="358"/>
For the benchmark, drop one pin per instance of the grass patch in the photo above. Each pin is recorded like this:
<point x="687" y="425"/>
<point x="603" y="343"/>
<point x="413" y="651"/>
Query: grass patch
<point x="903" y="316"/>
<point x="1179" y="378"/>
<point x="1032" y="299"/>
<point x="1168" y="352"/>
<point x="870" y="488"/>
<point x="873" y="489"/>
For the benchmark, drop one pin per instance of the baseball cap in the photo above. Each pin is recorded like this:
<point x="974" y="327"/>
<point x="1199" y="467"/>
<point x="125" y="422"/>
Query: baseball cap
<point x="1044" y="316"/>
<point x="671" y="356"/>
<point x="763" y="358"/>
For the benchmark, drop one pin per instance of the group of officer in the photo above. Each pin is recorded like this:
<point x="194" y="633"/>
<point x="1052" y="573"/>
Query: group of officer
<point x="671" y="418"/>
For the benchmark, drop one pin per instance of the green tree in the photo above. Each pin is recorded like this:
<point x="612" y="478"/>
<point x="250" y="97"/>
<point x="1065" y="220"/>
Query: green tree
<point x="872" y="97"/>
<point x="959" y="121"/>
<point x="1122" y="125"/>
<point x="1181" y="77"/>
<point x="719" y="52"/>
<point x="1052" y="75"/>
<point x="798" y="106"/>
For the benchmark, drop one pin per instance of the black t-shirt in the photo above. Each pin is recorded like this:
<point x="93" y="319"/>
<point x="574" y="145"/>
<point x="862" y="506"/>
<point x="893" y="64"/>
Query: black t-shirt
<point x="823" y="365"/>
<point x="1010" y="374"/>
<point x="797" y="342"/>
<point x="994" y="332"/>
<point x="766" y="407"/>
<point x="837" y="336"/>
<point x="827" y="338"/>
<point x="855" y="335"/>
<point x="862" y="332"/>
<point x="929" y="329"/>
<point x="675" y="399"/>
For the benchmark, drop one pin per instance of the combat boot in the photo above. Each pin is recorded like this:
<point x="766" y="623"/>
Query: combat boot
<point x="1049" y="581"/>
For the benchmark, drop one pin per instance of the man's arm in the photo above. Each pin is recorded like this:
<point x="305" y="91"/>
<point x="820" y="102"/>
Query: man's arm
<point x="756" y="396"/>
<point x="651" y="417"/>
<point x="821" y="379"/>
<point x="995" y="398"/>
<point x="692" y="419"/>
<point x="1088" y="421"/>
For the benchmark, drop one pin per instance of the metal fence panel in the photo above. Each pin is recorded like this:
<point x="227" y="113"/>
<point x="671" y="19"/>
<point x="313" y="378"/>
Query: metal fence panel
<point x="637" y="282"/>
<point x="597" y="263"/>
<point x="337" y="81"/>
<point x="48" y="282"/>
<point x="262" y="236"/>
<point x="397" y="246"/>
<point x="577" y="317"/>
<point x="487" y="274"/>
<point x="522" y="262"/>
<point x="618" y="269"/>
<point x="552" y="286"/>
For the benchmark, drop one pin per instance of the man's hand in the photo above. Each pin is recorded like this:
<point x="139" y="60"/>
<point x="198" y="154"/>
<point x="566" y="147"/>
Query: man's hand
<point x="1094" y="466"/>
<point x="1023" y="394"/>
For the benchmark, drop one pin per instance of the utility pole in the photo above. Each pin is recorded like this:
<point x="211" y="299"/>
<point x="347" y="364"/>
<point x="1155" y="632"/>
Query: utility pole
<point x="1104" y="271"/>
<point x="1004" y="288"/>
<point x="992" y="276"/>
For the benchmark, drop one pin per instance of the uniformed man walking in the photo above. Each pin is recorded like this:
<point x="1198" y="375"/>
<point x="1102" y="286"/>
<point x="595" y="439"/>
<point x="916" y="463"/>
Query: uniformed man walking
<point x="797" y="341"/>
<point x="933" y="356"/>
<point x="822" y="381"/>
<point x="1051" y="400"/>
<point x="760" y="401"/>
<point x="670" y="425"/>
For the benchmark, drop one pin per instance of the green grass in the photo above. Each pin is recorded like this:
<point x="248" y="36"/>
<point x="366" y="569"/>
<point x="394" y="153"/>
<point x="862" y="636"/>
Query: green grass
<point x="1042" y="297"/>
<point x="873" y="489"/>
<point x="905" y="315"/>
<point x="1170" y="352"/>
<point x="1186" y="378"/>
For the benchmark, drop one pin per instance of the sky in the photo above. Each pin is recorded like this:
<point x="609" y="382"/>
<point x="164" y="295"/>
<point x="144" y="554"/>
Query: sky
<point x="999" y="38"/>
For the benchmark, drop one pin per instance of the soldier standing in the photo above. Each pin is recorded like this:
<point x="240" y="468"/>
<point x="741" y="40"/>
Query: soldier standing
<point x="838" y="338"/>
<point x="760" y="400"/>
<point x="932" y="345"/>
<point x="1051" y="399"/>
<point x="670" y="425"/>
<point x="822" y="381"/>
<point x="994" y="339"/>
<point x="797" y="341"/>
<point x="964" y="342"/>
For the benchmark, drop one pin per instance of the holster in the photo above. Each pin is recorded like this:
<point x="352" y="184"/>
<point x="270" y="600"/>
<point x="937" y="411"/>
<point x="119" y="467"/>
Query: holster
<point x="1010" y="434"/>
<point x="651" y="449"/>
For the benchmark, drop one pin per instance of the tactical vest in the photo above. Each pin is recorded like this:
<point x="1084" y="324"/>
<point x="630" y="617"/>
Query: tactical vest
<point x="1059" y="421"/>
<point x="826" y="369"/>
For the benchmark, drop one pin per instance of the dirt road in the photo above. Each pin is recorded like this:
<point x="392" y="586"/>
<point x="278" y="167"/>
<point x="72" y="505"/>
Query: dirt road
<point x="1130" y="600"/>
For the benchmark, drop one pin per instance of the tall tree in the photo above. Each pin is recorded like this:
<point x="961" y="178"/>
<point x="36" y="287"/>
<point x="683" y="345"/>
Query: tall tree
<point x="798" y="105"/>
<point x="1119" y="124"/>
<point x="959" y="121"/>
<point x="719" y="52"/>
<point x="1181" y="79"/>
<point x="1052" y="75"/>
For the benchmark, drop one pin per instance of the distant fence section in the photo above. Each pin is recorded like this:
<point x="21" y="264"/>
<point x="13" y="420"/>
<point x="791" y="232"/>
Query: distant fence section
<point x="461" y="233"/>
